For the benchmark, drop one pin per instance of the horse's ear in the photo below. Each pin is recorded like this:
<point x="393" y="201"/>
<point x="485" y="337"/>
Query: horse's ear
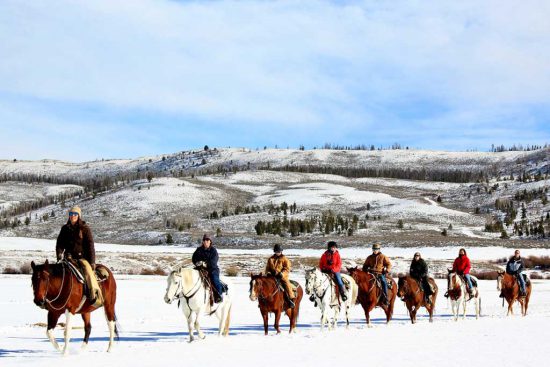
<point x="261" y="274"/>
<point x="33" y="265"/>
<point x="500" y="272"/>
<point x="449" y="270"/>
<point x="46" y="263"/>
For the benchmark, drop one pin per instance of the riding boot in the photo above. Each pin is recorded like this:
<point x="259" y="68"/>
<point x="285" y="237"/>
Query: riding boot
<point x="446" y="295"/>
<point x="291" y="303"/>
<point x="343" y="295"/>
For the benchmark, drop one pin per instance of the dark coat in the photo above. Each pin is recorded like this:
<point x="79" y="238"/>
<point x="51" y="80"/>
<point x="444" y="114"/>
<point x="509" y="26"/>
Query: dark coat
<point x="514" y="266"/>
<point x="77" y="241"/>
<point x="209" y="256"/>
<point x="419" y="269"/>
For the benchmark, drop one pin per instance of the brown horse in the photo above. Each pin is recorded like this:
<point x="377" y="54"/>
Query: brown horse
<point x="410" y="292"/>
<point x="370" y="296"/>
<point x="271" y="298"/>
<point x="509" y="287"/>
<point x="57" y="290"/>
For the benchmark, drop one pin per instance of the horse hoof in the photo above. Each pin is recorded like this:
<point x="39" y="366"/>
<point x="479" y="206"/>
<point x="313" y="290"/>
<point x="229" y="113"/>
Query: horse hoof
<point x="84" y="346"/>
<point x="202" y="336"/>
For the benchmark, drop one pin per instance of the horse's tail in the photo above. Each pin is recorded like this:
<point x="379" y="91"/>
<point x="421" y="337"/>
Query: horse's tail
<point x="117" y="327"/>
<point x="479" y="306"/>
<point x="227" y="321"/>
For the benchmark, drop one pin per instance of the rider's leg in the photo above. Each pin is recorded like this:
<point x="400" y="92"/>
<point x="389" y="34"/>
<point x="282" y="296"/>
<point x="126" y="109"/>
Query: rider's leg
<point x="215" y="276"/>
<point x="341" y="288"/>
<point x="521" y="281"/>
<point x="382" y="278"/>
<point x="469" y="281"/>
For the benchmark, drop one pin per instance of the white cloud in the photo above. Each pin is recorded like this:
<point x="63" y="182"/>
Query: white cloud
<point x="288" y="63"/>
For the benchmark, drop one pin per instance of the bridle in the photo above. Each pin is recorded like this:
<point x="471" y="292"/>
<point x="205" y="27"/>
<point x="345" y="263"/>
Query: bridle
<point x="50" y="302"/>
<point x="318" y="284"/>
<point x="179" y="294"/>
<point x="258" y="288"/>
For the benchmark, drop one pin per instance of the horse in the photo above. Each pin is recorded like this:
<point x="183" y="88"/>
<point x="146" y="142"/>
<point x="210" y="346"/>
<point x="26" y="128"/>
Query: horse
<point x="457" y="291"/>
<point x="324" y="292"/>
<point x="370" y="296"/>
<point x="508" y="286"/>
<point x="187" y="285"/>
<point x="410" y="291"/>
<point x="59" y="291"/>
<point x="271" y="298"/>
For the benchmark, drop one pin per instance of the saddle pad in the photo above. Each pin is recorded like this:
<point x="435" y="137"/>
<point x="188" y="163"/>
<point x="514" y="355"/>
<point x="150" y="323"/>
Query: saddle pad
<point x="295" y="284"/>
<point x="101" y="272"/>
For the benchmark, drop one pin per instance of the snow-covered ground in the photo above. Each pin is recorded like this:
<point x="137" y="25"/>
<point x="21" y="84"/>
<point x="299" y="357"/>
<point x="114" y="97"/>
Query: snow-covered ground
<point x="154" y="333"/>
<point x="434" y="253"/>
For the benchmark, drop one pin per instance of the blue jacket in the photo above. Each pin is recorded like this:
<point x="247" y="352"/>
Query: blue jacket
<point x="514" y="266"/>
<point x="209" y="256"/>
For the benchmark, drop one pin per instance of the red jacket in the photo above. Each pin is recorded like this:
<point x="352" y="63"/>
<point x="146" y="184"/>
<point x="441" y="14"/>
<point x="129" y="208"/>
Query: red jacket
<point x="462" y="265"/>
<point x="330" y="261"/>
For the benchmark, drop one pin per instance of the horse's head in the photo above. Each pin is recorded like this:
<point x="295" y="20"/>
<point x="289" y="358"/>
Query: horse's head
<point x="402" y="288"/>
<point x="256" y="286"/>
<point x="40" y="283"/>
<point x="500" y="277"/>
<point x="353" y="272"/>
<point x="174" y="286"/>
<point x="312" y="280"/>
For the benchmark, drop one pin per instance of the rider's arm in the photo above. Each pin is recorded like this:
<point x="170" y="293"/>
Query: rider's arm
<point x="59" y="246"/>
<point x="89" y="245"/>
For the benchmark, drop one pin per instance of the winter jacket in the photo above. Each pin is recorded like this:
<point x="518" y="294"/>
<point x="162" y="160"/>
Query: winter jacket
<point x="376" y="263"/>
<point x="209" y="256"/>
<point x="278" y="264"/>
<point x="77" y="241"/>
<point x="514" y="266"/>
<point x="330" y="262"/>
<point x="419" y="269"/>
<point x="462" y="265"/>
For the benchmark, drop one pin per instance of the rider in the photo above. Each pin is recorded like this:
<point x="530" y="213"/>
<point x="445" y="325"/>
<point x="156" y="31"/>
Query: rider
<point x="462" y="267"/>
<point x="515" y="267"/>
<point x="379" y="264"/>
<point x="419" y="271"/>
<point x="331" y="263"/>
<point x="75" y="241"/>
<point x="279" y="266"/>
<point x="206" y="256"/>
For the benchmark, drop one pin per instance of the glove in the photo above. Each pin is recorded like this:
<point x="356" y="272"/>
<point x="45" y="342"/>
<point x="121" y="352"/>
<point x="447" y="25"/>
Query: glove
<point x="93" y="266"/>
<point x="201" y="264"/>
<point x="384" y="272"/>
<point x="279" y="275"/>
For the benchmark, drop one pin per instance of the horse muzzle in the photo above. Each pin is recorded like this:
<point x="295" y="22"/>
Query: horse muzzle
<point x="167" y="300"/>
<point x="40" y="303"/>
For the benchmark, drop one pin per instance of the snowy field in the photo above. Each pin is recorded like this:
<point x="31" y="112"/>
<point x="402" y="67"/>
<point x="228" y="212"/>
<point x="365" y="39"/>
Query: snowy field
<point x="435" y="253"/>
<point x="153" y="333"/>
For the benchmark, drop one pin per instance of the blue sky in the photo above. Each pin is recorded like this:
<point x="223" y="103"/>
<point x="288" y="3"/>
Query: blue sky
<point x="120" y="79"/>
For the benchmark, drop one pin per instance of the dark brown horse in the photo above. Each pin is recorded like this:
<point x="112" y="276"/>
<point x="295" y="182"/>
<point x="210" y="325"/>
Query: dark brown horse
<point x="370" y="295"/>
<point x="57" y="290"/>
<point x="410" y="292"/>
<point x="271" y="298"/>
<point x="508" y="286"/>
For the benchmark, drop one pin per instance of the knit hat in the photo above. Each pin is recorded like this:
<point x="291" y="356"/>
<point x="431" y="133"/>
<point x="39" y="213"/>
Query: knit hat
<point x="206" y="237"/>
<point x="331" y="244"/>
<point x="277" y="248"/>
<point x="76" y="209"/>
<point x="376" y="246"/>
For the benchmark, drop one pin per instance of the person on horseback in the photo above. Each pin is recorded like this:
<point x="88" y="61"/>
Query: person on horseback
<point x="279" y="266"/>
<point x="206" y="256"/>
<point x="75" y="242"/>
<point x="515" y="267"/>
<point x="331" y="263"/>
<point x="380" y="265"/>
<point x="419" y="271"/>
<point x="462" y="267"/>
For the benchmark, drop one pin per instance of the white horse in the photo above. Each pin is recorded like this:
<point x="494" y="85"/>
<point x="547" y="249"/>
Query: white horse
<point x="185" y="284"/>
<point x="323" y="292"/>
<point x="458" y="294"/>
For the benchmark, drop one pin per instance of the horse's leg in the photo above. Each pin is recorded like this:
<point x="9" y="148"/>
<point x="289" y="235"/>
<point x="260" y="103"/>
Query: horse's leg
<point x="510" y="307"/>
<point x="477" y="307"/>
<point x="68" y="329"/>
<point x="197" y="325"/>
<point x="336" y="315"/>
<point x="189" y="318"/>
<point x="454" y="309"/>
<point x="52" y="322"/>
<point x="389" y="310"/>
<point x="414" y="310"/>
<point x="265" y="318"/>
<point x="277" y="319"/>
<point x="347" y="307"/>
<point x="367" y="316"/>
<point x="323" y="314"/>
<point x="87" y="329"/>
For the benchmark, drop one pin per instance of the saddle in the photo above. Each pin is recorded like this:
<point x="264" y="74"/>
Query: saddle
<point x="389" y="280"/>
<point x="207" y="282"/>
<point x="101" y="272"/>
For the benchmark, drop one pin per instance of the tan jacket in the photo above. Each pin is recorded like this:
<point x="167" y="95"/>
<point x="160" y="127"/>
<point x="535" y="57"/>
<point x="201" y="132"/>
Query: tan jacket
<point x="278" y="264"/>
<point x="377" y="263"/>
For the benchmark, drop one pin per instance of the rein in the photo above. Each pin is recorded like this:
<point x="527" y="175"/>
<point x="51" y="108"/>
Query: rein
<point x="270" y="297"/>
<point x="50" y="303"/>
<point x="188" y="296"/>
